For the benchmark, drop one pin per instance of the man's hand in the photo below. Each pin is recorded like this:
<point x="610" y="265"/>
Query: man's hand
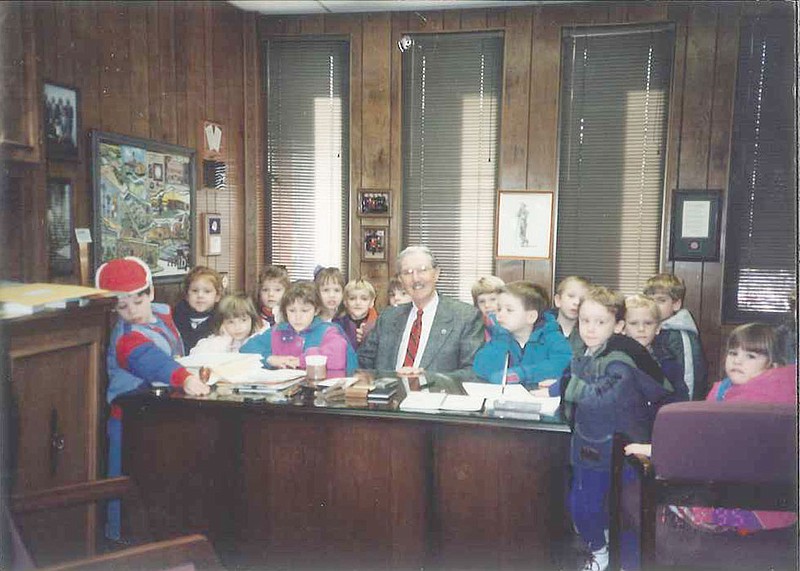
<point x="410" y="371"/>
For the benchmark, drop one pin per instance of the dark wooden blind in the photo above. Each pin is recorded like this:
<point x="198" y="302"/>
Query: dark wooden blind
<point x="761" y="241"/>
<point x="615" y="84"/>
<point x="307" y="154"/>
<point x="451" y="116"/>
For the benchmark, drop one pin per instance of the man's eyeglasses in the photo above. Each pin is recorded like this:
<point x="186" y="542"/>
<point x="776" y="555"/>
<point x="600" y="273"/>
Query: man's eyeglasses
<point x="420" y="270"/>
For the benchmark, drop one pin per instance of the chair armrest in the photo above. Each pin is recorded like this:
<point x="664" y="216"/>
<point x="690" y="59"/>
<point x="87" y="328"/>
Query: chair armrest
<point x="73" y="494"/>
<point x="191" y="552"/>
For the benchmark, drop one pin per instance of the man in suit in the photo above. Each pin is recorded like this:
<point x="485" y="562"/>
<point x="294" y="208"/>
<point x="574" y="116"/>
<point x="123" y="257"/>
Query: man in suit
<point x="432" y="333"/>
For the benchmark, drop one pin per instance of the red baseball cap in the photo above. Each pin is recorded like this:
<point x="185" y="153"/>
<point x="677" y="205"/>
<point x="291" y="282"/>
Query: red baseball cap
<point x="128" y="275"/>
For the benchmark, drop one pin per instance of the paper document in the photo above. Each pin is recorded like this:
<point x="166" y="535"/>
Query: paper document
<point x="513" y="392"/>
<point x="417" y="401"/>
<point x="239" y="368"/>
<point x="549" y="404"/>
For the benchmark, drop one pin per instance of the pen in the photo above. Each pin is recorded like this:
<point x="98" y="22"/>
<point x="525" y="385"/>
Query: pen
<point x="253" y="391"/>
<point x="505" y="376"/>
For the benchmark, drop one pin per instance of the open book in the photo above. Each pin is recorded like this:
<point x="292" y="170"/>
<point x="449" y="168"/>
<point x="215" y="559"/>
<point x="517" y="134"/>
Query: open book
<point x="239" y="368"/>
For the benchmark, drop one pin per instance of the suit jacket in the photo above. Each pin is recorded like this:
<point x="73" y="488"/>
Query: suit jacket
<point x="456" y="334"/>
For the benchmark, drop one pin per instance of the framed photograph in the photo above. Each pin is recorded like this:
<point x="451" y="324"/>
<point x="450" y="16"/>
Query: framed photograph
<point x="144" y="198"/>
<point x="212" y="233"/>
<point x="61" y="121"/>
<point x="374" y="243"/>
<point x="695" y="228"/>
<point x="524" y="224"/>
<point x="374" y="203"/>
<point x="60" y="249"/>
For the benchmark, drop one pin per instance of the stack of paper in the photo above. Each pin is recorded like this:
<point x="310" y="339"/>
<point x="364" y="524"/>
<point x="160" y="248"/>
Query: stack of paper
<point x="239" y="368"/>
<point x="417" y="401"/>
<point x="512" y="393"/>
<point x="25" y="299"/>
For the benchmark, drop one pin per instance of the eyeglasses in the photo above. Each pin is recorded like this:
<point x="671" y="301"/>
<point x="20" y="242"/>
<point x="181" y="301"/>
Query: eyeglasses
<point x="420" y="270"/>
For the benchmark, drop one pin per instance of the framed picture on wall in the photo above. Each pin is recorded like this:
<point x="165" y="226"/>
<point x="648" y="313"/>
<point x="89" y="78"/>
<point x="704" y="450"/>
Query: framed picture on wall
<point x="60" y="248"/>
<point x="144" y="198"/>
<point x="374" y="203"/>
<point x="61" y="121"/>
<point x="374" y="243"/>
<point x="524" y="224"/>
<point x="695" y="225"/>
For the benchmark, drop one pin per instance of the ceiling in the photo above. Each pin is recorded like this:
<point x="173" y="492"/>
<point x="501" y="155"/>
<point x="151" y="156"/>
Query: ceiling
<point x="275" y="7"/>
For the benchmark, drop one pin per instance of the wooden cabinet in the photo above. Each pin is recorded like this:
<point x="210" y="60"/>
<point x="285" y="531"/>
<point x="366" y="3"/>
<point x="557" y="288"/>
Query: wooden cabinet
<point x="54" y="402"/>
<point x="19" y="113"/>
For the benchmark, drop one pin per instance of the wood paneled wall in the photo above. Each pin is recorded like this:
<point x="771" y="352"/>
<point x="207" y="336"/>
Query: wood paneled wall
<point x="157" y="69"/>
<point x="699" y="129"/>
<point x="154" y="70"/>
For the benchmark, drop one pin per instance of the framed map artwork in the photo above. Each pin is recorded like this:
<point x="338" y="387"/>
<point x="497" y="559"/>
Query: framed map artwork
<point x="143" y="203"/>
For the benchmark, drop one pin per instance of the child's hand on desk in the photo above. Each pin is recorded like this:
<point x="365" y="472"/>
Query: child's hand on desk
<point x="194" y="386"/>
<point x="637" y="449"/>
<point x="283" y="361"/>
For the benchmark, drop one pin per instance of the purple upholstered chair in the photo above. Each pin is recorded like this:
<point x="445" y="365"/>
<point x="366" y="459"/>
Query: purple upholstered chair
<point x="718" y="454"/>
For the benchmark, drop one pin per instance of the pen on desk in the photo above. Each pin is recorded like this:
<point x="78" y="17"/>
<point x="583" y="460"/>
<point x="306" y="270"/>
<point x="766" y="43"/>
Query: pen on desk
<point x="252" y="390"/>
<point x="505" y="376"/>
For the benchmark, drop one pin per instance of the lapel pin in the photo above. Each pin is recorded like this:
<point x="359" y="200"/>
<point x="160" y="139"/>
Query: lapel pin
<point x="444" y="331"/>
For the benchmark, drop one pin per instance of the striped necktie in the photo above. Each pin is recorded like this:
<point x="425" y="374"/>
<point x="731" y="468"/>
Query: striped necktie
<point x="413" y="340"/>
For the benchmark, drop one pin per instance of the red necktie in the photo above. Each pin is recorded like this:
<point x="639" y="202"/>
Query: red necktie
<point x="413" y="340"/>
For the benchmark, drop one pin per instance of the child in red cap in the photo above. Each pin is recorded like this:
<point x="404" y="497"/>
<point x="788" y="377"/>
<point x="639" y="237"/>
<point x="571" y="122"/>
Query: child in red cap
<point x="141" y="352"/>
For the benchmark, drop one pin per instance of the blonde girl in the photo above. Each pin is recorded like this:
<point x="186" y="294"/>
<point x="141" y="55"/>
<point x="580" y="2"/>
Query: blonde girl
<point x="235" y="321"/>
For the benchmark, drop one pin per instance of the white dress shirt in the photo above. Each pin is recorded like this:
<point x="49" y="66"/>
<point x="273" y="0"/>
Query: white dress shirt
<point x="428" y="313"/>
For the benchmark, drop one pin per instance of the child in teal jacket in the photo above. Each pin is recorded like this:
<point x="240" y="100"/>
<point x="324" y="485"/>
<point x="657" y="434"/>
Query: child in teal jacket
<point x="537" y="349"/>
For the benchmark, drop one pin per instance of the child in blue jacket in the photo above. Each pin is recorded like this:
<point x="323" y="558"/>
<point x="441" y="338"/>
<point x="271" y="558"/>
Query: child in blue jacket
<point x="615" y="386"/>
<point x="532" y="339"/>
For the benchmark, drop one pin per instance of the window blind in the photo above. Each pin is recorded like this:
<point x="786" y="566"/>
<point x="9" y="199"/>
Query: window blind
<point x="451" y="105"/>
<point x="307" y="170"/>
<point x="760" y="248"/>
<point x="613" y="125"/>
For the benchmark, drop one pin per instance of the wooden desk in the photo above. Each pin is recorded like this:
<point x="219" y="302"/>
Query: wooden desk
<point x="278" y="487"/>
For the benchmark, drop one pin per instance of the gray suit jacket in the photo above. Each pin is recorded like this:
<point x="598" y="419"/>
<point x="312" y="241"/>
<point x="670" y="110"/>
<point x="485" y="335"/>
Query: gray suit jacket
<point x="456" y="334"/>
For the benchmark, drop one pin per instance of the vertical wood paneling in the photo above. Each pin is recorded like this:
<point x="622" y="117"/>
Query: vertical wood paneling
<point x="167" y="65"/>
<point x="115" y="74"/>
<point x="399" y="26"/>
<point x="696" y="130"/>
<point x="514" y="116"/>
<point x="138" y="56"/>
<point x="718" y="173"/>
<point x="63" y="44"/>
<point x="451" y="21"/>
<point x="312" y="25"/>
<point x="251" y="168"/>
<point x="496" y="18"/>
<point x="473" y="20"/>
<point x="375" y="132"/>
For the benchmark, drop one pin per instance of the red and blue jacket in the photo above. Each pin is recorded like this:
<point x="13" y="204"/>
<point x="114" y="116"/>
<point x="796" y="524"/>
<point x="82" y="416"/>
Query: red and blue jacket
<point x="141" y="354"/>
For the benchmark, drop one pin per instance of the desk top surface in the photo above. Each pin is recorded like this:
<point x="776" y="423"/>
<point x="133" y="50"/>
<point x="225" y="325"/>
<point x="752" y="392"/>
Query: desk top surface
<point x="309" y="400"/>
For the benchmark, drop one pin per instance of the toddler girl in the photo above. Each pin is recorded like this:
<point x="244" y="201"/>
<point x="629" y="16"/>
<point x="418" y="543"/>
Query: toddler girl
<point x="755" y="373"/>
<point x="330" y="285"/>
<point x="272" y="284"/>
<point x="202" y="290"/>
<point x="235" y="321"/>
<point x="287" y="345"/>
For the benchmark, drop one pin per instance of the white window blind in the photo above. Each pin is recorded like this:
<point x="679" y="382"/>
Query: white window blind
<point x="307" y="154"/>
<point x="614" y="105"/>
<point x="451" y="103"/>
<point x="760" y="249"/>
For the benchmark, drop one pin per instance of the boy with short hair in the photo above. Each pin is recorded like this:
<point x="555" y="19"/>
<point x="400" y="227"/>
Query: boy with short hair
<point x="679" y="335"/>
<point x="642" y="324"/>
<point x="536" y="348"/>
<point x="614" y="387"/>
<point x="397" y="293"/>
<point x="484" y="296"/>
<point x="359" y="316"/>
<point x="141" y="351"/>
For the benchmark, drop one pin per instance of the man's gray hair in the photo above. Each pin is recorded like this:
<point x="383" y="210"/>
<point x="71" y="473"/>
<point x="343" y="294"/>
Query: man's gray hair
<point x="413" y="250"/>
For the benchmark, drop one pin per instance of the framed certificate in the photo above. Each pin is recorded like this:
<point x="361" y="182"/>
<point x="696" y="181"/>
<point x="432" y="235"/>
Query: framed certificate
<point x="695" y="225"/>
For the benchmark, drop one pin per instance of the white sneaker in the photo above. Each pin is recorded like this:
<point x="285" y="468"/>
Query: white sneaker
<point x="598" y="560"/>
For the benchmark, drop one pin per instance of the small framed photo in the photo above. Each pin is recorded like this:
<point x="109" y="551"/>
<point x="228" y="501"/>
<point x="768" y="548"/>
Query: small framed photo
<point x="695" y="228"/>
<point x="61" y="121"/>
<point x="374" y="203"/>
<point x="374" y="243"/>
<point x="524" y="224"/>
<point x="60" y="249"/>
